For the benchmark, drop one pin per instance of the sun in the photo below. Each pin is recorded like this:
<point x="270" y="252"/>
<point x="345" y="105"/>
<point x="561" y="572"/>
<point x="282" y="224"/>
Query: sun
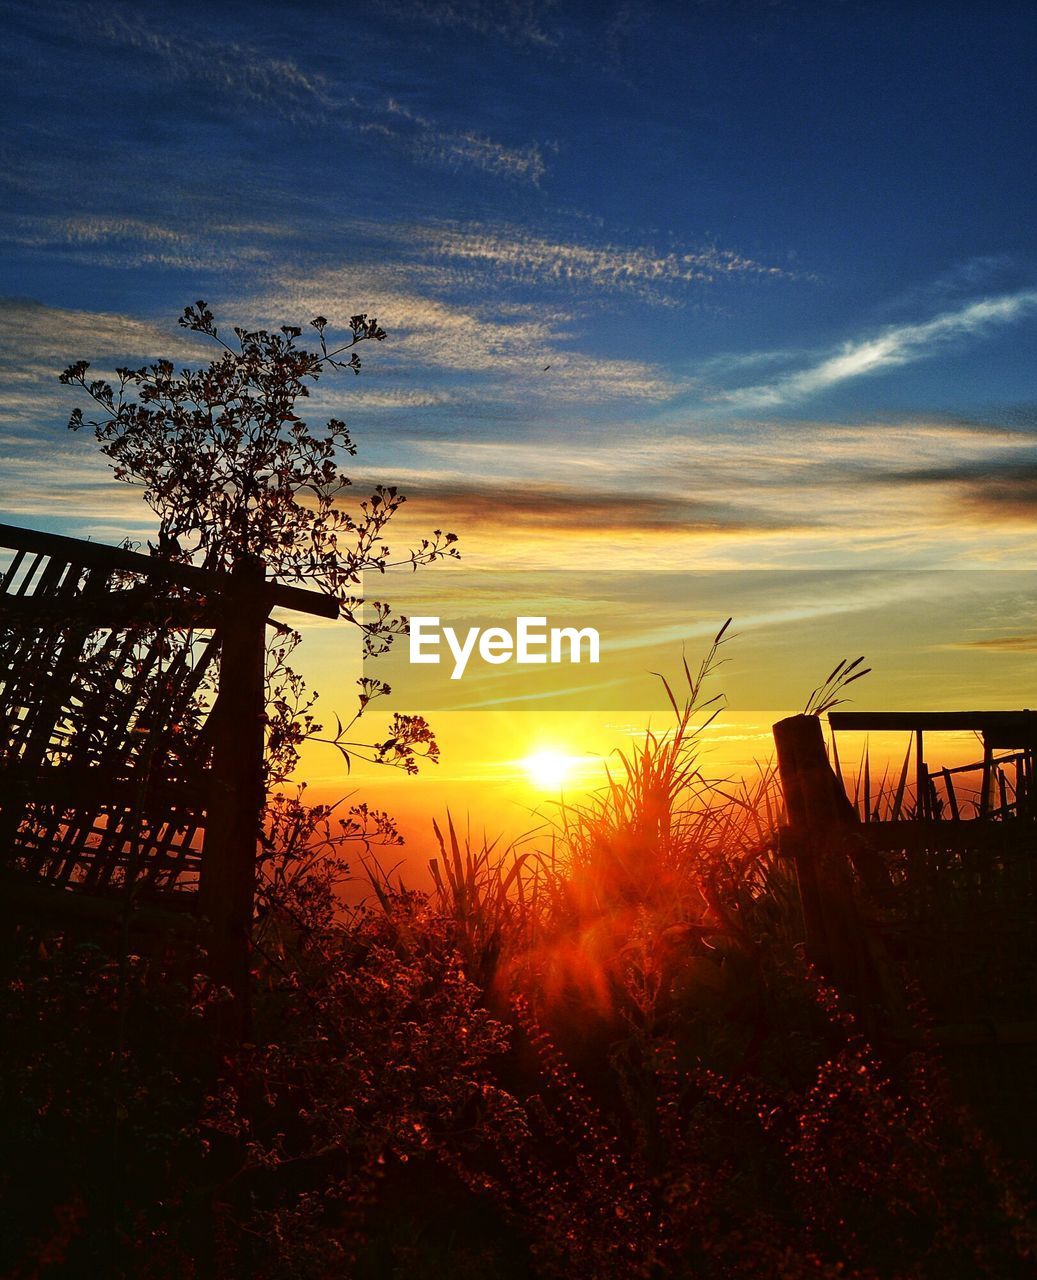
<point x="549" y="769"/>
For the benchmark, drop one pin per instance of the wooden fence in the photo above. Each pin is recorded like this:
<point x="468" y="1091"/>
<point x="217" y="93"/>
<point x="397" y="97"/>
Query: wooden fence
<point x="132" y="723"/>
<point x="926" y="918"/>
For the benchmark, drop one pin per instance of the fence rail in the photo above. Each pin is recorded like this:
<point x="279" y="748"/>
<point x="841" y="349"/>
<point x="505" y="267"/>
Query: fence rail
<point x="929" y="904"/>
<point x="132" y="723"/>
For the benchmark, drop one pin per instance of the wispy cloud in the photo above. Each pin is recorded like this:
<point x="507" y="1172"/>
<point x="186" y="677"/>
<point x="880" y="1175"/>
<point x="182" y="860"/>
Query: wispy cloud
<point x="433" y="143"/>
<point x="232" y="70"/>
<point x="509" y="253"/>
<point x="369" y="395"/>
<point x="519" y="22"/>
<point x="783" y="493"/>
<point x="76" y="487"/>
<point x="456" y="378"/>
<point x="46" y="473"/>
<point x="127" y="242"/>
<point x="521" y="354"/>
<point x="990" y="488"/>
<point x="243" y="78"/>
<point x="553" y="508"/>
<point x="894" y="346"/>
<point x="37" y="341"/>
<point x="689" y="457"/>
<point x="1003" y="644"/>
<point x="985" y="273"/>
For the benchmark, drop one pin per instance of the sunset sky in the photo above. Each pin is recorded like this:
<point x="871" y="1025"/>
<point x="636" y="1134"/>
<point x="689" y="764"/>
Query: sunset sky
<point x="694" y="286"/>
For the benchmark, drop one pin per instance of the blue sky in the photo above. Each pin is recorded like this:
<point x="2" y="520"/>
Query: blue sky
<point x="778" y="257"/>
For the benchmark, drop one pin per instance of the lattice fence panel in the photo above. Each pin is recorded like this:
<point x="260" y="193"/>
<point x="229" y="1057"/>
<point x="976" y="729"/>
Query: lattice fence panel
<point x="107" y="682"/>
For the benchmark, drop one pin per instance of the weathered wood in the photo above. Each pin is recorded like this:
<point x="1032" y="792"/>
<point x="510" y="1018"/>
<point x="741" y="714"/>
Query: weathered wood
<point x="1018" y="757"/>
<point x="825" y="825"/>
<point x="1000" y="728"/>
<point x="228" y="872"/>
<point x="99" y="555"/>
<point x="952" y="799"/>
<point x="921" y="789"/>
<point x="984" y="795"/>
<point x="950" y="946"/>
<point x="121" y="780"/>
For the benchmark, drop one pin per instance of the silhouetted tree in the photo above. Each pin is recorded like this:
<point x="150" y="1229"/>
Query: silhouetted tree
<point x="232" y="470"/>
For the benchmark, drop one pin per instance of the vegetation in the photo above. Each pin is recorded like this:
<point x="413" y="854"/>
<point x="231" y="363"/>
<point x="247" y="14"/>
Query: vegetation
<point x="233" y="472"/>
<point x="603" y="1058"/>
<point x="600" y="1056"/>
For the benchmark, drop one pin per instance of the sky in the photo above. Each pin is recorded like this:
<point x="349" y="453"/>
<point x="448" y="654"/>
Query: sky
<point x="701" y="286"/>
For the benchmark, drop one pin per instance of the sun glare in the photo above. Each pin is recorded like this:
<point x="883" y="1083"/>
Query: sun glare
<point x="549" y="769"/>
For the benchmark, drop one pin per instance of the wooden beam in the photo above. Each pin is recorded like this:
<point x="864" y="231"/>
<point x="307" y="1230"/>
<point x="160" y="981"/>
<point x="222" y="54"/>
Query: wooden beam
<point x="302" y="601"/>
<point x="1002" y="728"/>
<point x="100" y="555"/>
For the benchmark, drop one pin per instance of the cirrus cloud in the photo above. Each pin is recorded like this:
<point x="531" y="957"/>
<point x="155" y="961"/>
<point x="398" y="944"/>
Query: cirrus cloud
<point x="894" y="346"/>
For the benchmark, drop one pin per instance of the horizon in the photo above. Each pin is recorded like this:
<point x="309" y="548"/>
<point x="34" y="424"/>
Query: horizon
<point x="667" y="289"/>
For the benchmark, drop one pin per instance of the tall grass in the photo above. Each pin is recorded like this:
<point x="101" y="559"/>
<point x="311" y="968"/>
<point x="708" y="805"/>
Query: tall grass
<point x="597" y="1054"/>
<point x="688" y="1098"/>
<point x="659" y="872"/>
<point x="666" y="879"/>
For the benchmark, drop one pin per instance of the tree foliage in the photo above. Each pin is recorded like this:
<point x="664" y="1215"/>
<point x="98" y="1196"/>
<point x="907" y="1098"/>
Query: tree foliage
<point x="232" y="470"/>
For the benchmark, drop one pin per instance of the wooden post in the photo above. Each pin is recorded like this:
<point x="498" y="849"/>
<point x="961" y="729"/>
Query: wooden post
<point x="228" y="873"/>
<point x="952" y="799"/>
<point x="988" y="769"/>
<point x="819" y="815"/>
<point x="786" y="740"/>
<point x="921" y="789"/>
